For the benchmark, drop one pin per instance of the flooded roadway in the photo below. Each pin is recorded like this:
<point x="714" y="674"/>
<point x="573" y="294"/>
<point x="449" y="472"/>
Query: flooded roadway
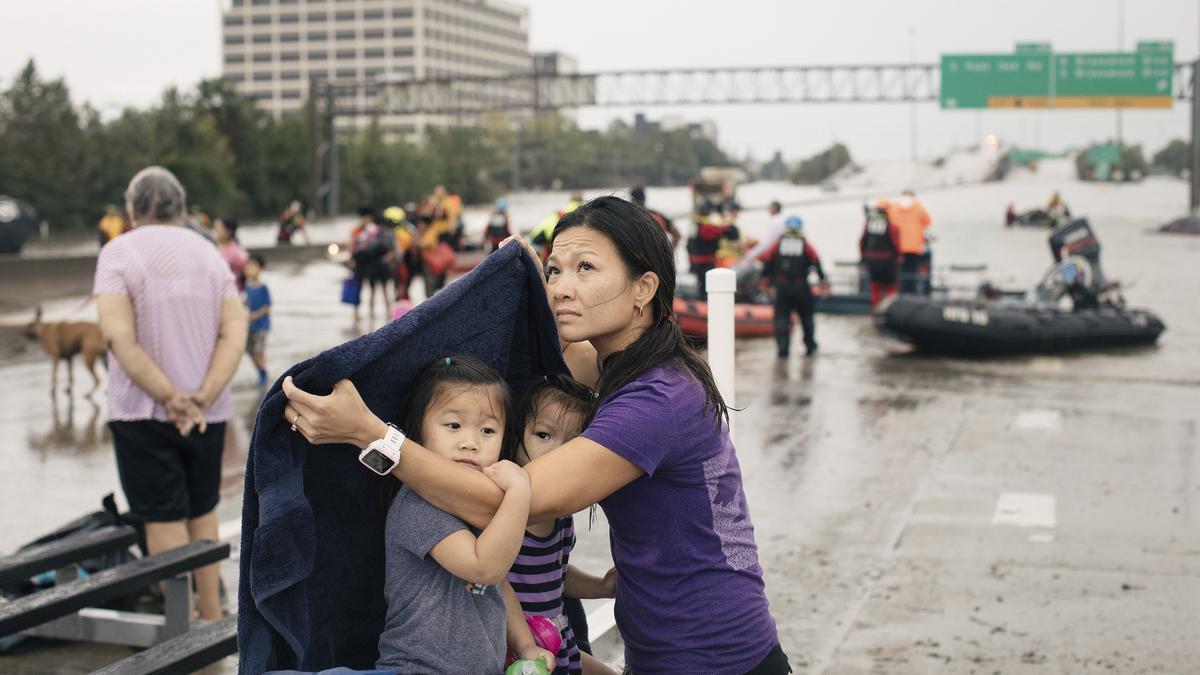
<point x="914" y="514"/>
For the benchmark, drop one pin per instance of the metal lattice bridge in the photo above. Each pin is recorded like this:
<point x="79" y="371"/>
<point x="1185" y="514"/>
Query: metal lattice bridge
<point x="538" y="92"/>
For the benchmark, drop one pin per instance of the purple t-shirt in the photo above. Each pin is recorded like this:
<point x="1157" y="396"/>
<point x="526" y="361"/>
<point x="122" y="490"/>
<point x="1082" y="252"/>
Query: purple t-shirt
<point x="690" y="593"/>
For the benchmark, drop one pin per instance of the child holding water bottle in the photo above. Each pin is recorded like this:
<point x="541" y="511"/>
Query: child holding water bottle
<point x="551" y="412"/>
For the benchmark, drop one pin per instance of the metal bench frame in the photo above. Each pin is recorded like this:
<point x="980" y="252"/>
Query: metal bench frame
<point x="64" y="613"/>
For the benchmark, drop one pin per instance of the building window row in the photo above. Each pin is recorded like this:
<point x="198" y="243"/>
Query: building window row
<point x="475" y="6"/>
<point x="458" y="57"/>
<point x="321" y="55"/>
<point x="236" y="20"/>
<point x="434" y="34"/>
<point x="463" y="22"/>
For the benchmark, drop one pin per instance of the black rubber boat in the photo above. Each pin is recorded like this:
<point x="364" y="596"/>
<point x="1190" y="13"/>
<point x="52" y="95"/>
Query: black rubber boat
<point x="976" y="329"/>
<point x="1073" y="308"/>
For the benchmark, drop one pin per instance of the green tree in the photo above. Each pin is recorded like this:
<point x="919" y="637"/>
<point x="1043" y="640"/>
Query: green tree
<point x="822" y="165"/>
<point x="43" y="149"/>
<point x="271" y="158"/>
<point x="1174" y="158"/>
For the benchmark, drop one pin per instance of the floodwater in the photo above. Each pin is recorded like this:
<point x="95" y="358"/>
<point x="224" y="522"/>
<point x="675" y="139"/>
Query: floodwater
<point x="913" y="513"/>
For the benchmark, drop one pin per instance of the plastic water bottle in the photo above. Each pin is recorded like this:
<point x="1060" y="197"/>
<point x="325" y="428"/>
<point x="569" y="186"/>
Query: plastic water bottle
<point x="527" y="667"/>
<point x="545" y="632"/>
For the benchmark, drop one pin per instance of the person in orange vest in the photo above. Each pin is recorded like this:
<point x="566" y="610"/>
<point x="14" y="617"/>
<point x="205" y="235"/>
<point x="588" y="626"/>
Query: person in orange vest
<point x="910" y="216"/>
<point x="880" y="250"/>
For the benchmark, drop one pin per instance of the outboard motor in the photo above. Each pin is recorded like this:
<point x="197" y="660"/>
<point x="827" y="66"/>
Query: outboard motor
<point x="1078" y="238"/>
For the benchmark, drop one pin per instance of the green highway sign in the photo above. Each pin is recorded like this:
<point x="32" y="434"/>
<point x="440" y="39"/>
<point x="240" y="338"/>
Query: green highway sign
<point x="1156" y="46"/>
<point x="1034" y="77"/>
<point x="1033" y="47"/>
<point x="1080" y="79"/>
<point x="970" y="80"/>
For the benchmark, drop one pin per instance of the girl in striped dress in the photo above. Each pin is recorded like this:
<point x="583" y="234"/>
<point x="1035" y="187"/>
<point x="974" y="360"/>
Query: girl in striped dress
<point x="552" y="412"/>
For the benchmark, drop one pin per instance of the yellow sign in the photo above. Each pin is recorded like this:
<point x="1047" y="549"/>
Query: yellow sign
<point x="1080" y="102"/>
<point x="1018" y="102"/>
<point x="1113" y="102"/>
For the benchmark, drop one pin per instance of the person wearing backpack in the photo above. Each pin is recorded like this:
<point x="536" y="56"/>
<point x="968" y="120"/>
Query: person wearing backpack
<point x="372" y="250"/>
<point x="880" y="250"/>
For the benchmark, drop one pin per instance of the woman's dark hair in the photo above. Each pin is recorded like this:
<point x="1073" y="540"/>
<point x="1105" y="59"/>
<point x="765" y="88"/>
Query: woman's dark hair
<point x="645" y="248"/>
<point x="424" y="390"/>
<point x="230" y="224"/>
<point x="561" y="390"/>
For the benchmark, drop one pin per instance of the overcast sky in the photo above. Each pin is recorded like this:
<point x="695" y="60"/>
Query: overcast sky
<point x="115" y="53"/>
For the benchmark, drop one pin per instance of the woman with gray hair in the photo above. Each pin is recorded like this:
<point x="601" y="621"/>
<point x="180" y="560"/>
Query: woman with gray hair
<point x="175" y="329"/>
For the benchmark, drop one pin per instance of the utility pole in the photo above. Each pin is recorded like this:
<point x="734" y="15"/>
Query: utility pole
<point x="1194" y="171"/>
<point x="1120" y="46"/>
<point x="912" y="107"/>
<point x="314" y="146"/>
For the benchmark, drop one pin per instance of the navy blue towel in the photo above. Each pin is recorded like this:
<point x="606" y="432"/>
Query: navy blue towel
<point x="310" y="595"/>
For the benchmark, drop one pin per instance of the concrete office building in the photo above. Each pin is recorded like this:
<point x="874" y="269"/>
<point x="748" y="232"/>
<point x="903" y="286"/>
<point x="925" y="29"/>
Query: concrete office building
<point x="272" y="47"/>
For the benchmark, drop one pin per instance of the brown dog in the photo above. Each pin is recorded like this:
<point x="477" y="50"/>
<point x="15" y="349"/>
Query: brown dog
<point x="62" y="340"/>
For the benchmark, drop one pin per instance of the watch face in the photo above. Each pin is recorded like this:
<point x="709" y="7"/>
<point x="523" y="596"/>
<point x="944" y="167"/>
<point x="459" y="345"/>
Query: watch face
<point x="378" y="462"/>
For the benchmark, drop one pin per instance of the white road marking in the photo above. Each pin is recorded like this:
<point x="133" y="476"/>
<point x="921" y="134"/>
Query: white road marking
<point x="1025" y="509"/>
<point x="1041" y="420"/>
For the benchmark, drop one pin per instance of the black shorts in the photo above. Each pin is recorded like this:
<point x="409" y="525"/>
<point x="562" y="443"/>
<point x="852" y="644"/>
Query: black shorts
<point x="167" y="477"/>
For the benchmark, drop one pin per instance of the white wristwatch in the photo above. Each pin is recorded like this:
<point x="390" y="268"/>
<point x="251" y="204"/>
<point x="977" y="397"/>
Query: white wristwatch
<point x="382" y="455"/>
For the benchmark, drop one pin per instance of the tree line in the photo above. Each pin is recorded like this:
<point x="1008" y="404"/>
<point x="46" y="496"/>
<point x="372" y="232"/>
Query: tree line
<point x="69" y="163"/>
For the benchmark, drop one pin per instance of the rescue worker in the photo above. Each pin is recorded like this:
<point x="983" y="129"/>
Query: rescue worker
<point x="787" y="266"/>
<point x="541" y="234"/>
<point x="731" y="246"/>
<point x="702" y="247"/>
<point x="396" y="218"/>
<point x="638" y="196"/>
<point x="910" y="216"/>
<point x="498" y="228"/>
<point x="1057" y="211"/>
<point x="879" y="247"/>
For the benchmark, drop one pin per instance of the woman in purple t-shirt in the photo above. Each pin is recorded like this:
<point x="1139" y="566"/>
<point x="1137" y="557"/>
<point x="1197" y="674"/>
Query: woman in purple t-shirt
<point x="656" y="456"/>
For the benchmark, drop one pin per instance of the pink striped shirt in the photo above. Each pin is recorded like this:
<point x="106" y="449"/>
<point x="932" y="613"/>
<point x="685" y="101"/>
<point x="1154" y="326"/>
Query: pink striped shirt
<point x="176" y="281"/>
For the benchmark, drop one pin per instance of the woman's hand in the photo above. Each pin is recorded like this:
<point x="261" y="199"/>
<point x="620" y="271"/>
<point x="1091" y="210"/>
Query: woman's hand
<point x="521" y="241"/>
<point x="185" y="414"/>
<point x="610" y="583"/>
<point x="340" y="417"/>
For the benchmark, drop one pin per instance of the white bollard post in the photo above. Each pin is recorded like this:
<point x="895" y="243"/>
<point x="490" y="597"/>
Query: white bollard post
<point x="722" y="284"/>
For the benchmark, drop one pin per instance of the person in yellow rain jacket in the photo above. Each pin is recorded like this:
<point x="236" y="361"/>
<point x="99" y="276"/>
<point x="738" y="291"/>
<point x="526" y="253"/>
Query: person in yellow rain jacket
<point x="396" y="218"/>
<point x="541" y="234"/>
<point x="112" y="225"/>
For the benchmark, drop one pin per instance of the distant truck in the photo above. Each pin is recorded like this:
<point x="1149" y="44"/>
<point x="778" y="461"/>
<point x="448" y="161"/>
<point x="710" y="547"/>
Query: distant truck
<point x="716" y="187"/>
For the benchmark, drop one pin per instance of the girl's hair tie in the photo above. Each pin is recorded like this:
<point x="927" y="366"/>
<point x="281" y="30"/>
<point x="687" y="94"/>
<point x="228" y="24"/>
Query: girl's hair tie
<point x="447" y="360"/>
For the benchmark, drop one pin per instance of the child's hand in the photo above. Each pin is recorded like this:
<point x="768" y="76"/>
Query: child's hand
<point x="610" y="583"/>
<point x="534" y="652"/>
<point x="506" y="475"/>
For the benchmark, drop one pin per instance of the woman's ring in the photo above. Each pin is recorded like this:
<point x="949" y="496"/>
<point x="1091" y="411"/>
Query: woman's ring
<point x="295" y="421"/>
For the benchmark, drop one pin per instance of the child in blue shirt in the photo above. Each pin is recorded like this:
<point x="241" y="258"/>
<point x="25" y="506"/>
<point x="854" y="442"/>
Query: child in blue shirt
<point x="258" y="302"/>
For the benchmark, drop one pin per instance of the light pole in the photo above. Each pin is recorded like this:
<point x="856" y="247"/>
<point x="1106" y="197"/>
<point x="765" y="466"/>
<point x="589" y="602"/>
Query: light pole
<point x="1120" y="45"/>
<point x="912" y="107"/>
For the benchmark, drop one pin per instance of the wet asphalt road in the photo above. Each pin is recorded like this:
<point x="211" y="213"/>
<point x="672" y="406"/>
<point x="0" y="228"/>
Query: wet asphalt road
<point x="914" y="514"/>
